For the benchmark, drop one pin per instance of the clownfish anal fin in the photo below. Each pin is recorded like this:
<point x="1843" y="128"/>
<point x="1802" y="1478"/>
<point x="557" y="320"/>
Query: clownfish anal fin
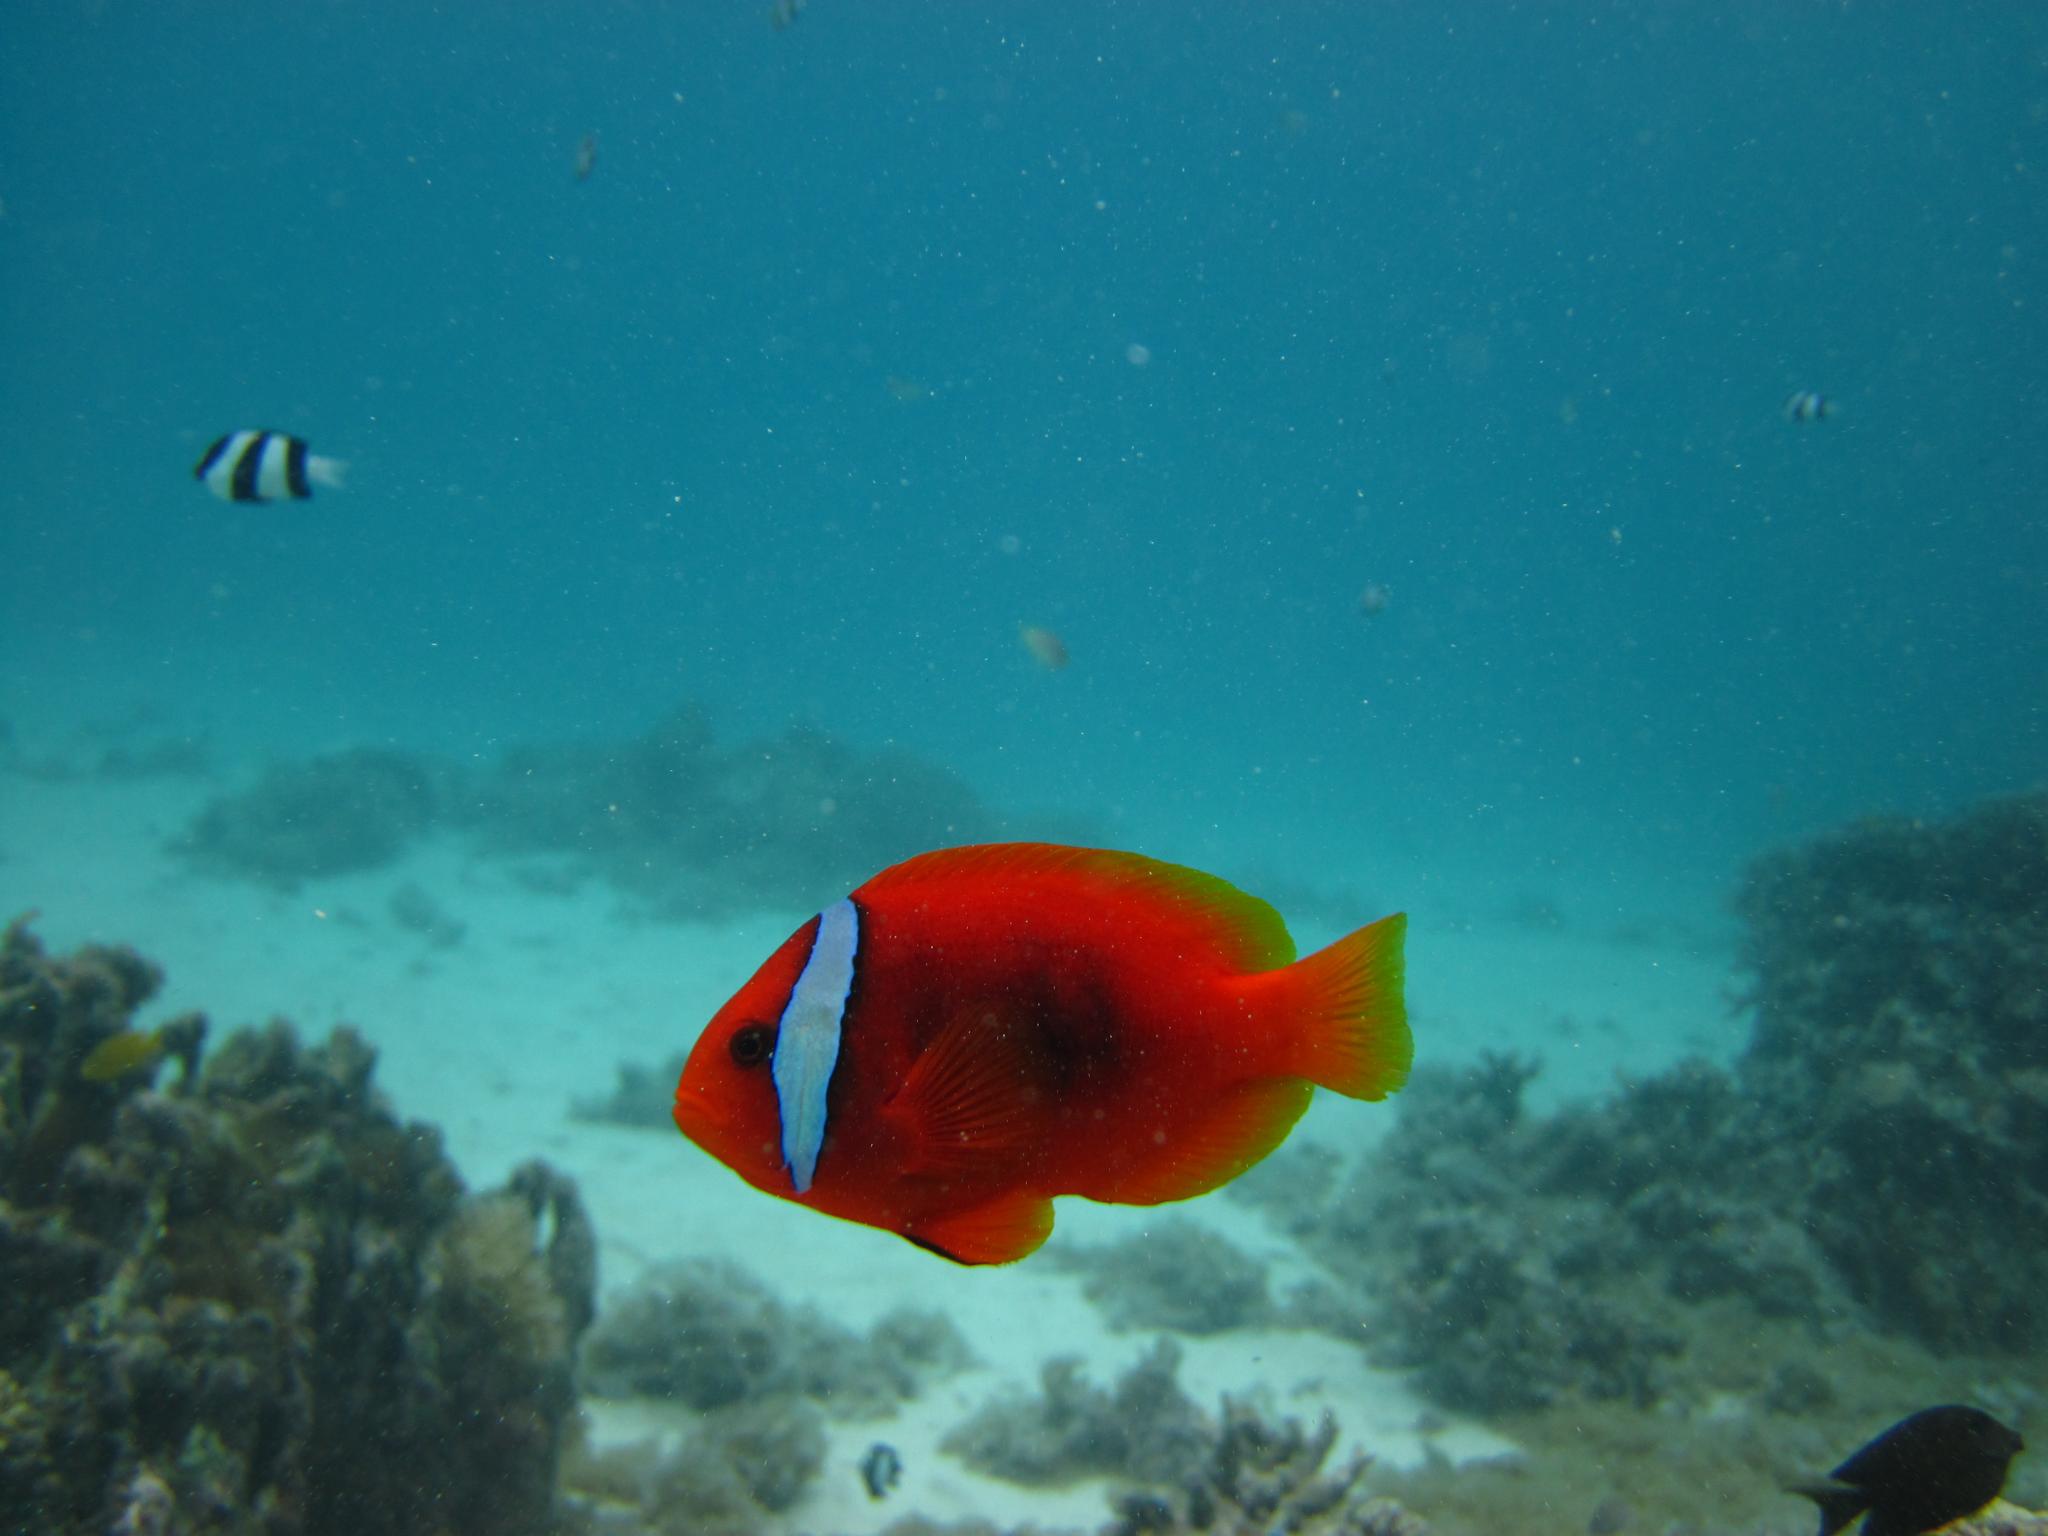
<point x="969" y="1094"/>
<point x="997" y="1231"/>
<point x="1234" y="1131"/>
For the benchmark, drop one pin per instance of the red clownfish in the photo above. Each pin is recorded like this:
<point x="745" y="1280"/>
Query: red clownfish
<point x="977" y="1030"/>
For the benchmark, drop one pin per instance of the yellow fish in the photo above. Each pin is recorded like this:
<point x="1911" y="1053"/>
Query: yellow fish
<point x="118" y="1055"/>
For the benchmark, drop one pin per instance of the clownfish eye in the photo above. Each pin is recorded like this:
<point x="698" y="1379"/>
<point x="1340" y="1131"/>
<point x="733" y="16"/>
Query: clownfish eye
<point x="752" y="1044"/>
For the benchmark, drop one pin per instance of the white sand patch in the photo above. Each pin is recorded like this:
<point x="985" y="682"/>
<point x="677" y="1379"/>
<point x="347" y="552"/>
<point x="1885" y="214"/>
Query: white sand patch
<point x="545" y="994"/>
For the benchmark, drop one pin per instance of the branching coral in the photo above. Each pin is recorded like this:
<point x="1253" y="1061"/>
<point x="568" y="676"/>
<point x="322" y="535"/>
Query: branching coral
<point x="262" y="1304"/>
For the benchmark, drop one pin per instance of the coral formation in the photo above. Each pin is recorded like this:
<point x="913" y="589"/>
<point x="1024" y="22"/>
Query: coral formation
<point x="707" y="1334"/>
<point x="1237" y="1475"/>
<point x="331" y="815"/>
<point x="759" y="1377"/>
<point x="260" y="1303"/>
<point x="1143" y="1428"/>
<point x="1869" y="1160"/>
<point x="1900" y="987"/>
<point x="1177" y="1275"/>
<point x="688" y="827"/>
<point x="680" y="824"/>
<point x="1257" y="1477"/>
<point x="731" y="1472"/>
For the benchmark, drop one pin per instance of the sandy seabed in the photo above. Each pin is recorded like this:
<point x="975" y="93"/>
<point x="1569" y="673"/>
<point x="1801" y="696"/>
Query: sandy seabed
<point x="545" y="994"/>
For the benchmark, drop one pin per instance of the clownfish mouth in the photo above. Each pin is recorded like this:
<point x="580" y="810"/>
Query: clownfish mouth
<point x="697" y="1117"/>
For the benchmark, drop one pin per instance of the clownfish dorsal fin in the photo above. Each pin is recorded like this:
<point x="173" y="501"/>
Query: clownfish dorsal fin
<point x="998" y="1231"/>
<point x="970" y="1093"/>
<point x="1244" y="933"/>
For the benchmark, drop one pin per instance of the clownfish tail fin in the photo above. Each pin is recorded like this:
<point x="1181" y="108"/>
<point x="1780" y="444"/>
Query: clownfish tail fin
<point x="1346" y="1014"/>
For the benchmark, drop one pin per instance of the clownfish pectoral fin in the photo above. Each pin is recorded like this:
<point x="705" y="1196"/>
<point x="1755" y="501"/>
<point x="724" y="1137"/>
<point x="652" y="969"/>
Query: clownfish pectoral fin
<point x="1346" y="1013"/>
<point x="998" y="1231"/>
<point x="969" y="1094"/>
<point x="1232" y="1132"/>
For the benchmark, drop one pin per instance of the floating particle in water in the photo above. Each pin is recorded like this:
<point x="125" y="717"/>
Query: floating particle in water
<point x="586" y="157"/>
<point x="1137" y="354"/>
<point x="783" y="13"/>
<point x="1046" y="648"/>
<point x="1373" y="600"/>
<point x="1010" y="544"/>
<point x="907" y="390"/>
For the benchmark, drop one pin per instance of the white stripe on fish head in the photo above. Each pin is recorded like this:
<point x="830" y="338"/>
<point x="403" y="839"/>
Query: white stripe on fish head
<point x="807" y="1040"/>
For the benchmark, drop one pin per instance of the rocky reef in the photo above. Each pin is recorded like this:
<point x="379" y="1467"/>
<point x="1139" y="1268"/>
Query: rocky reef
<point x="1234" y="1474"/>
<point x="1178" y="1276"/>
<point x="751" y="1383"/>
<point x="331" y="815"/>
<point x="1867" y="1164"/>
<point x="253" y="1300"/>
<point x="1899" y="983"/>
<point x="677" y="822"/>
<point x="708" y="1333"/>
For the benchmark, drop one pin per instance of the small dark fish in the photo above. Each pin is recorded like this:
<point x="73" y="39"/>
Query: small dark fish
<point x="881" y="1469"/>
<point x="1931" y="1467"/>
<point x="1804" y="405"/>
<point x="586" y="157"/>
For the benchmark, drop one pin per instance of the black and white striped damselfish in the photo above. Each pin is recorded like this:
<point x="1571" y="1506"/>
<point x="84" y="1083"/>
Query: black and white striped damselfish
<point x="265" y="466"/>
<point x="1804" y="405"/>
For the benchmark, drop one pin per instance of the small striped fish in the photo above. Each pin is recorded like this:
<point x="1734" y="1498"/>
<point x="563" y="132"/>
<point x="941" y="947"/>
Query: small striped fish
<point x="265" y="466"/>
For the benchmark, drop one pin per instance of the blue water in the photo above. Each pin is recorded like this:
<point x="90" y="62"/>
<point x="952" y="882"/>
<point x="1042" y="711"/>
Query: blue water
<point x="1494" y="306"/>
<point x="1170" y="327"/>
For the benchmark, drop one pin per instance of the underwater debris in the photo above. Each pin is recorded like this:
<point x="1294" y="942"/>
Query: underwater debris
<point x="261" y="1303"/>
<point x="707" y="1333"/>
<point x="1178" y="1276"/>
